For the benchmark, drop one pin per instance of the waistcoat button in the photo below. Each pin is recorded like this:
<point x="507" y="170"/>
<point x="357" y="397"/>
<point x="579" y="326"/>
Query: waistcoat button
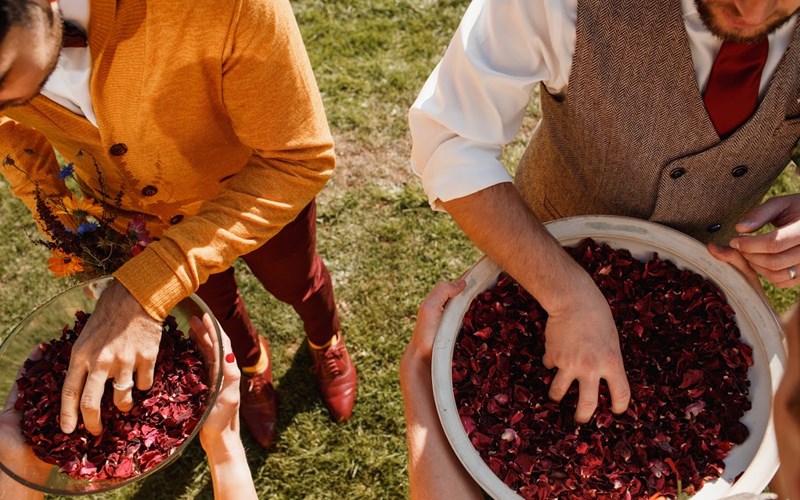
<point x="118" y="149"/>
<point x="677" y="172"/>
<point x="149" y="190"/>
<point x="713" y="228"/>
<point x="176" y="219"/>
<point x="739" y="171"/>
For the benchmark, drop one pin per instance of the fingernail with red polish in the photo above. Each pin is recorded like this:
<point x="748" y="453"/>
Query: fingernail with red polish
<point x="230" y="358"/>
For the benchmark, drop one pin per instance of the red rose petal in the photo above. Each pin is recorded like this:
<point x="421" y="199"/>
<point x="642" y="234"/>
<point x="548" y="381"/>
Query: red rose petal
<point x="680" y="343"/>
<point x="131" y="443"/>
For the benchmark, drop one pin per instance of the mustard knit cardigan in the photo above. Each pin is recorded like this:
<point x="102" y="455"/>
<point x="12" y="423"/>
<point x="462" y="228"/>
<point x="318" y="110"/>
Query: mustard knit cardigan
<point x="210" y="122"/>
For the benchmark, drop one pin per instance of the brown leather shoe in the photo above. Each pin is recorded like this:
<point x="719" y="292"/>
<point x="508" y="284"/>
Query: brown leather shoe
<point x="259" y="406"/>
<point x="336" y="378"/>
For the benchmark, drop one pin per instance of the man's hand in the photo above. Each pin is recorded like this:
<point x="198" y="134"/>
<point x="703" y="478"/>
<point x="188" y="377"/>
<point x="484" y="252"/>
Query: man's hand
<point x="583" y="343"/>
<point x="775" y="255"/>
<point x="581" y="337"/>
<point x="119" y="339"/>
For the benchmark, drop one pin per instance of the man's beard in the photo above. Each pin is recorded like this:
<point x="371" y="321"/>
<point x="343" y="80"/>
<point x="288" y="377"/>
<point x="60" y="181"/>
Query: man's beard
<point x="55" y="39"/>
<point x="775" y="22"/>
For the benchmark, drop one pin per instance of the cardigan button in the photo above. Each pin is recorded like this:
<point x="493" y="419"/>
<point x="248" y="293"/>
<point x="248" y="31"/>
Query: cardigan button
<point x="118" y="149"/>
<point x="739" y="171"/>
<point x="677" y="173"/>
<point x="713" y="228"/>
<point x="176" y="219"/>
<point x="149" y="190"/>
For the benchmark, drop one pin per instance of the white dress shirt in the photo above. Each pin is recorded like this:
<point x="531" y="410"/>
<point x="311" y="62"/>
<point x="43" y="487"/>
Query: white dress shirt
<point x="474" y="101"/>
<point x="68" y="84"/>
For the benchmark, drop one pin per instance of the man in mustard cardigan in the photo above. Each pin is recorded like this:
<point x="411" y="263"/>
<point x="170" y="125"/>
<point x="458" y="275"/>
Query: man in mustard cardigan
<point x="207" y="118"/>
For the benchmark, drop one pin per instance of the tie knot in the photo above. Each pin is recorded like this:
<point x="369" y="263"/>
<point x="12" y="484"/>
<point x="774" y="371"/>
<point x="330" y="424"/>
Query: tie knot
<point x="743" y="52"/>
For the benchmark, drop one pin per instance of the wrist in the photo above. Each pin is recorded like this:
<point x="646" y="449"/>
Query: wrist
<point x="119" y="295"/>
<point x="415" y="375"/>
<point x="414" y="356"/>
<point x="570" y="288"/>
<point x="415" y="368"/>
<point x="223" y="447"/>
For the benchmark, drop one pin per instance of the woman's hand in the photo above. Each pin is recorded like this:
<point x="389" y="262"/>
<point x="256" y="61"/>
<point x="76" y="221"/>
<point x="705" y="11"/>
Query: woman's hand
<point x="219" y="435"/>
<point x="15" y="453"/>
<point x="223" y="421"/>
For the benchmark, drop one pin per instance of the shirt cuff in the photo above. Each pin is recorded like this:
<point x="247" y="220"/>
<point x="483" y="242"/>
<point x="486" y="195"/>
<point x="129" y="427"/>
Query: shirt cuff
<point x="152" y="282"/>
<point x="459" y="168"/>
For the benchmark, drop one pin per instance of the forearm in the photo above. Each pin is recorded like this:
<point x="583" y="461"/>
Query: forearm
<point x="434" y="470"/>
<point x="12" y="490"/>
<point x="499" y="222"/>
<point x="230" y="473"/>
<point x="255" y="205"/>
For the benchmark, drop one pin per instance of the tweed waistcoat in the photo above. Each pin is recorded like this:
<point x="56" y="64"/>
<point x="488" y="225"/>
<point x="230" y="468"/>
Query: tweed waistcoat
<point x="631" y="135"/>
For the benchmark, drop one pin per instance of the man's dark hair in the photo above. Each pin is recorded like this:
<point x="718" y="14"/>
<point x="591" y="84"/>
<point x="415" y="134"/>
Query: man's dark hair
<point x="16" y="13"/>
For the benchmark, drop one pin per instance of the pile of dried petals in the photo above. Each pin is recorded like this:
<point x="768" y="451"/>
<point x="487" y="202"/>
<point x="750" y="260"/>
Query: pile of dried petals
<point x="131" y="443"/>
<point x="686" y="366"/>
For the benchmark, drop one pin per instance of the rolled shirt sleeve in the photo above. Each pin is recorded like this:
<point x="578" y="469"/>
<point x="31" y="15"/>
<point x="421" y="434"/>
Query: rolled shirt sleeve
<point x="475" y="99"/>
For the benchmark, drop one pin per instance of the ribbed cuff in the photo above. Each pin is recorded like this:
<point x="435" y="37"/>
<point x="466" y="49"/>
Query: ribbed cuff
<point x="153" y="283"/>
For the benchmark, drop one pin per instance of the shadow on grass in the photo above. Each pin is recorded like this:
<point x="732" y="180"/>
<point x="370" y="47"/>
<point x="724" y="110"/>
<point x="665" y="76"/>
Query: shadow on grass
<point x="297" y="391"/>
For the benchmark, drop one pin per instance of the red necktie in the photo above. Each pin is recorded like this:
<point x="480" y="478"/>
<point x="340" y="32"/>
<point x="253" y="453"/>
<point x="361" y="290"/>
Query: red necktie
<point x="73" y="36"/>
<point x="732" y="91"/>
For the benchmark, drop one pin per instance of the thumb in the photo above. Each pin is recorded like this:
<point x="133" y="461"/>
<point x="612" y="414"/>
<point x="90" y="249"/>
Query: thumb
<point x="737" y="260"/>
<point x="761" y="215"/>
<point x="432" y="307"/>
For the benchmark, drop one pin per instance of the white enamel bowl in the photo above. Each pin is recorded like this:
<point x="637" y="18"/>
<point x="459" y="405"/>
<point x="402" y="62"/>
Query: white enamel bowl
<point x="756" y="459"/>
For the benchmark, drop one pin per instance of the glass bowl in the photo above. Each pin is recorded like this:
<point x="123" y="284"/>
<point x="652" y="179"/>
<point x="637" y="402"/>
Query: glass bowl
<point x="749" y="466"/>
<point x="44" y="324"/>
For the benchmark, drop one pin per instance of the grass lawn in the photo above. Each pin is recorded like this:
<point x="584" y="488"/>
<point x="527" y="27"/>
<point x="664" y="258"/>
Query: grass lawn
<point x="383" y="245"/>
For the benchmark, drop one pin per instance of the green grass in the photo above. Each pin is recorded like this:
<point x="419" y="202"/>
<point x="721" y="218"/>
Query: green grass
<point x="384" y="247"/>
<point x="371" y="58"/>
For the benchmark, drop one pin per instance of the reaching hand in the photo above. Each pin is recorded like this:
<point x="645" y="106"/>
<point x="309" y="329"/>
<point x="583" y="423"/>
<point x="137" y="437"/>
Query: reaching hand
<point x="119" y="339"/>
<point x="775" y="254"/>
<point x="582" y="342"/>
<point x="224" y="417"/>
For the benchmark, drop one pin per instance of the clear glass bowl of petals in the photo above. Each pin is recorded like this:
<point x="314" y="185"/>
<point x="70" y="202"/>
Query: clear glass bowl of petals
<point x="703" y="353"/>
<point x="133" y="445"/>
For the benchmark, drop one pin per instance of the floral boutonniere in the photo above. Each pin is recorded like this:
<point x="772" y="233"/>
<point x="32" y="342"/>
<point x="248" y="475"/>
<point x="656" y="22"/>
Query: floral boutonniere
<point x="78" y="228"/>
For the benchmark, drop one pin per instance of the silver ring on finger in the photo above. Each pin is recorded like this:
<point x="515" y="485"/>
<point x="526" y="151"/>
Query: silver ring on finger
<point x="792" y="272"/>
<point x="123" y="387"/>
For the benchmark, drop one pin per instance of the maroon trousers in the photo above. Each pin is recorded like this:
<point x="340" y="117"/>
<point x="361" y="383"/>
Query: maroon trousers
<point x="290" y="269"/>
